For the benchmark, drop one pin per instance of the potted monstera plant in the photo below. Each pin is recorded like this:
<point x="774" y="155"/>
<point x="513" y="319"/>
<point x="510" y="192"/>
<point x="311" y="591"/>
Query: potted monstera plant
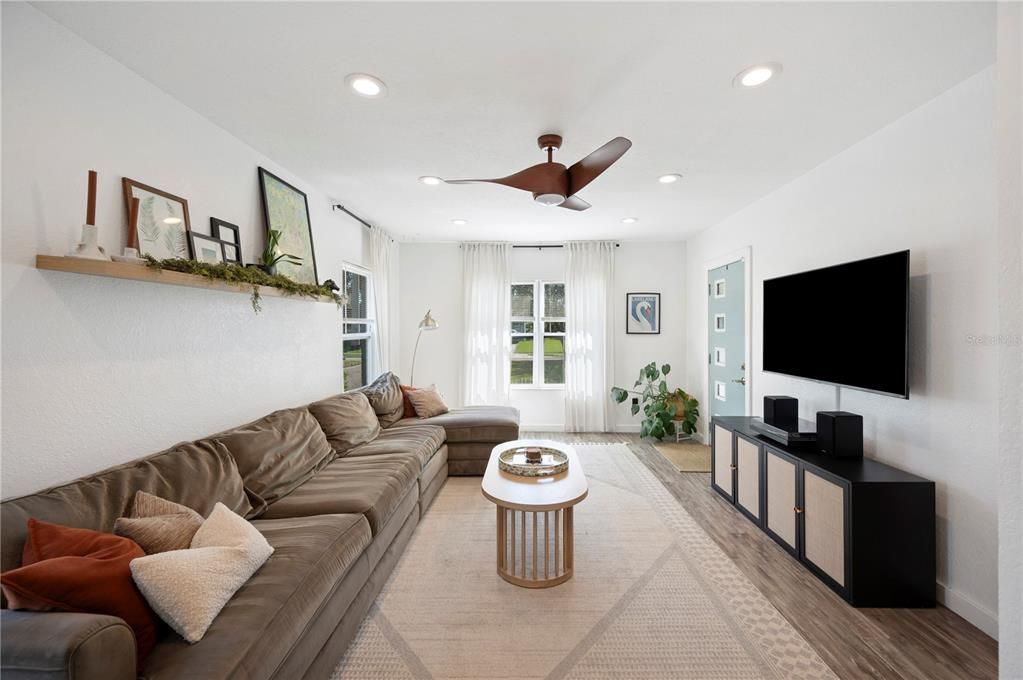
<point x="665" y="411"/>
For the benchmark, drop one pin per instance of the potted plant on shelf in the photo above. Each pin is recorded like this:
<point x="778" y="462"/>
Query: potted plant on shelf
<point x="272" y="255"/>
<point x="666" y="411"/>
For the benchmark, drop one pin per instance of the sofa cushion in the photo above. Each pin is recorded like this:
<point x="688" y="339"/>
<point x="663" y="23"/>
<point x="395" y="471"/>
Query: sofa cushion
<point x="347" y="420"/>
<point x="157" y="524"/>
<point x="194" y="474"/>
<point x="384" y="395"/>
<point x="258" y="627"/>
<point x="474" y="424"/>
<point x="371" y="485"/>
<point x="421" y="440"/>
<point x="279" y="452"/>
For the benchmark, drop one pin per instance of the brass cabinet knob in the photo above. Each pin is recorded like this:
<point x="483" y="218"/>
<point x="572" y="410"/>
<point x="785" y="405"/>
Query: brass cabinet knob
<point x="797" y="510"/>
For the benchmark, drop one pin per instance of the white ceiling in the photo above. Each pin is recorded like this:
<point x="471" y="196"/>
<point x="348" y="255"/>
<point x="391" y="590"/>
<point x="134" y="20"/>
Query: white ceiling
<point x="471" y="86"/>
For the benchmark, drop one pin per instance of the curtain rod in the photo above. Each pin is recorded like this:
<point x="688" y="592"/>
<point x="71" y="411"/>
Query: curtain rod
<point x="541" y="246"/>
<point x="338" y="206"/>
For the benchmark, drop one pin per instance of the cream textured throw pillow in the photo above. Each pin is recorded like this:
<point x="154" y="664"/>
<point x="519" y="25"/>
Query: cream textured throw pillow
<point x="158" y="525"/>
<point x="427" y="402"/>
<point x="188" y="588"/>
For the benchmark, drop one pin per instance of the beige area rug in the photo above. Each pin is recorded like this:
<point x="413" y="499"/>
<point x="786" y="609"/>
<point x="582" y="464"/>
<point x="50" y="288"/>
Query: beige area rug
<point x="652" y="597"/>
<point x="688" y="456"/>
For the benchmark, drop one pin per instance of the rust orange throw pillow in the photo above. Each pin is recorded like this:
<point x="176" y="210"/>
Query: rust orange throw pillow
<point x="80" y="570"/>
<point x="409" y="410"/>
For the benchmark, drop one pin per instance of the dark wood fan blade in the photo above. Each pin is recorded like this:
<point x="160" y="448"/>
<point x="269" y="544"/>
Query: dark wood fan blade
<point x="543" y="178"/>
<point x="591" y="167"/>
<point x="574" y="203"/>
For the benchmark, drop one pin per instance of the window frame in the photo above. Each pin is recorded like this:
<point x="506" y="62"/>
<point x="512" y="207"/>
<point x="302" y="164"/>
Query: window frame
<point x="369" y="322"/>
<point x="539" y="321"/>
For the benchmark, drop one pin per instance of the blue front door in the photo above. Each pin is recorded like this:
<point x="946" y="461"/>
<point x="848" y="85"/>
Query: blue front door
<point x="726" y="340"/>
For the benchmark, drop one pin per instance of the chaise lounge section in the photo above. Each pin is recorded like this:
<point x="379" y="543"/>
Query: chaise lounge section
<point x="336" y="494"/>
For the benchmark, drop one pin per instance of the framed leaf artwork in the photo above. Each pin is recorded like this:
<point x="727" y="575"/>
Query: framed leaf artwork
<point x="286" y="210"/>
<point x="163" y="225"/>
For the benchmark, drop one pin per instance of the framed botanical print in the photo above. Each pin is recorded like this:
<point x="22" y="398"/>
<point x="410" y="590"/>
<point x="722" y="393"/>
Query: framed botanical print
<point x="286" y="210"/>
<point x="229" y="234"/>
<point x="642" y="313"/>
<point x="206" y="249"/>
<point x="162" y="226"/>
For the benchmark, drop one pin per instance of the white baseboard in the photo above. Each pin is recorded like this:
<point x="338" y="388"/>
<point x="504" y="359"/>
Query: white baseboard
<point x="541" y="428"/>
<point x="981" y="617"/>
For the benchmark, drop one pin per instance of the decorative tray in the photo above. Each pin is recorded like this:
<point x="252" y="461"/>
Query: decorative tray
<point x="533" y="461"/>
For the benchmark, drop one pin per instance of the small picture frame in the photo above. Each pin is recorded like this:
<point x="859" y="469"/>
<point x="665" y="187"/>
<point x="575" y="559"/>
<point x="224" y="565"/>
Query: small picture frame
<point x="162" y="228"/>
<point x="642" y="313"/>
<point x="206" y="249"/>
<point x="230" y="235"/>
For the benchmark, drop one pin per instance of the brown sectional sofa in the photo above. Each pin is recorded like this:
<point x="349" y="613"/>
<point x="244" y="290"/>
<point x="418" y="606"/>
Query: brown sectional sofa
<point x="337" y="534"/>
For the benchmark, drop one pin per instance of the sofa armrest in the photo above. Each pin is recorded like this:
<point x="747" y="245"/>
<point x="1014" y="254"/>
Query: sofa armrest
<point x="66" y="645"/>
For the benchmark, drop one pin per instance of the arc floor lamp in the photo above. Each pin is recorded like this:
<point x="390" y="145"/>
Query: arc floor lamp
<point x="427" y="324"/>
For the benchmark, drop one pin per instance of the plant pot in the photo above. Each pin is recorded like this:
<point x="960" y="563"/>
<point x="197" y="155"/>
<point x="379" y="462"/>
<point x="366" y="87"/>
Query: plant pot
<point x="265" y="268"/>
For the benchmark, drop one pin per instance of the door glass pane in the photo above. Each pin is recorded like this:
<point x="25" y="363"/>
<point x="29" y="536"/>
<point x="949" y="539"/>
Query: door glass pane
<point x="354" y="363"/>
<point x="554" y="360"/>
<point x="522" y="327"/>
<point x="554" y="299"/>
<point x="554" y="326"/>
<point x="522" y="299"/>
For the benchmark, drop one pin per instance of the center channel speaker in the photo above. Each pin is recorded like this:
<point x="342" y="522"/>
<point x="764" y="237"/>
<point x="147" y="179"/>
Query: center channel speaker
<point x="840" y="434"/>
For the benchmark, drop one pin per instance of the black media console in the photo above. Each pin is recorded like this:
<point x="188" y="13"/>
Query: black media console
<point x="864" y="528"/>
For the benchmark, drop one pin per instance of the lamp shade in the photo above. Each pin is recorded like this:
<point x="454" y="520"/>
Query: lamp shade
<point x="428" y="323"/>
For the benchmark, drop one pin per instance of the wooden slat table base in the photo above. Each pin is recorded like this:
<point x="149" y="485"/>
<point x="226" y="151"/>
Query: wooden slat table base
<point x="550" y="562"/>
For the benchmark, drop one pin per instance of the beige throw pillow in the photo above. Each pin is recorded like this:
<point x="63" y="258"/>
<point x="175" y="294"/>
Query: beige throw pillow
<point x="158" y="525"/>
<point x="347" y="419"/>
<point x="188" y="588"/>
<point x="427" y="402"/>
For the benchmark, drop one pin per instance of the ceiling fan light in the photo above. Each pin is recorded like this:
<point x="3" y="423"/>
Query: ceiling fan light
<point x="549" y="199"/>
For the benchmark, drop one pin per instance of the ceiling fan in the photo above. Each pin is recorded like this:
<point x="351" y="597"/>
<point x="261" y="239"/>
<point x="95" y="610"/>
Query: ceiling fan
<point x="552" y="183"/>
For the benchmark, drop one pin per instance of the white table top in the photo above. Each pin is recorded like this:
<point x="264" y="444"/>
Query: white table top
<point x="535" y="494"/>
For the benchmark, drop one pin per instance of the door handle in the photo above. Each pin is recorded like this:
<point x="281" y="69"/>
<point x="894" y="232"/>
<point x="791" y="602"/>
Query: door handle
<point x="797" y="510"/>
<point x="741" y="381"/>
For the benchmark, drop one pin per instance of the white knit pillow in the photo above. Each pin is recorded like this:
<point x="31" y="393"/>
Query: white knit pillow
<point x="188" y="588"/>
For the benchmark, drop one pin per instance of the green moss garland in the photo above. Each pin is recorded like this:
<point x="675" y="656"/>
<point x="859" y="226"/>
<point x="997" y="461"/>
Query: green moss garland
<point x="243" y="276"/>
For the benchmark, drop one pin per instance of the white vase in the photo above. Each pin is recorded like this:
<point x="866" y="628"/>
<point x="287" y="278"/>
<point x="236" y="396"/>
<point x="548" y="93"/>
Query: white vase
<point x="89" y="247"/>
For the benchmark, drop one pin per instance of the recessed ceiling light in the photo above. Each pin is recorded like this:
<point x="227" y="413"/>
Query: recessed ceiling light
<point x="669" y="179"/>
<point x="629" y="220"/>
<point x="756" y="75"/>
<point x="172" y="220"/>
<point x="431" y="180"/>
<point x="459" y="222"/>
<point x="366" y="85"/>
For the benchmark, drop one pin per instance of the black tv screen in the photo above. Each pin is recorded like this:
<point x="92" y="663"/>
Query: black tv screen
<point x="846" y="324"/>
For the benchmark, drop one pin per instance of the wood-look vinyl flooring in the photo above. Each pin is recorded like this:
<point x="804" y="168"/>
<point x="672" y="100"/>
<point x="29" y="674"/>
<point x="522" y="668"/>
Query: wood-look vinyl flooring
<point x="910" y="644"/>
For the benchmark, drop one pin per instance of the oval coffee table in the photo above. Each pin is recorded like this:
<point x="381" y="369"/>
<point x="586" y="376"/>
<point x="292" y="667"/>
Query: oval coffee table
<point x="534" y="518"/>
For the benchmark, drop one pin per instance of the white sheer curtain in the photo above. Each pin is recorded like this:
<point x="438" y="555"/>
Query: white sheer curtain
<point x="383" y="257"/>
<point x="589" y="341"/>
<point x="486" y="270"/>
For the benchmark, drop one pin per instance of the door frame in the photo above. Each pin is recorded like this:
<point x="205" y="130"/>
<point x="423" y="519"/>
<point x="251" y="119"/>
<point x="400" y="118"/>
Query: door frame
<point x="745" y="255"/>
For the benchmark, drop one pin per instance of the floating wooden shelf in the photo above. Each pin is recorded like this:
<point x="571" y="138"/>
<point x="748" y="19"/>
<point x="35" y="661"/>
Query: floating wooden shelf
<point x="140" y="272"/>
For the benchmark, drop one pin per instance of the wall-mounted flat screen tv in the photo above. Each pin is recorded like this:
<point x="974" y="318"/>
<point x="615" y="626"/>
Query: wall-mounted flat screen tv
<point x="847" y="324"/>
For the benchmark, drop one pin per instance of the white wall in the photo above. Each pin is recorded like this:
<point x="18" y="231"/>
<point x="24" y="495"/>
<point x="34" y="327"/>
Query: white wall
<point x="1010" y="242"/>
<point x="650" y="268"/>
<point x="926" y="183"/>
<point x="99" y="371"/>
<point x="437" y="284"/>
<point x="432" y="280"/>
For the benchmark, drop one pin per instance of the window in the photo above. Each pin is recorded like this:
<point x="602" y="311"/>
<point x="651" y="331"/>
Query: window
<point x="538" y="333"/>
<point x="357" y="327"/>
